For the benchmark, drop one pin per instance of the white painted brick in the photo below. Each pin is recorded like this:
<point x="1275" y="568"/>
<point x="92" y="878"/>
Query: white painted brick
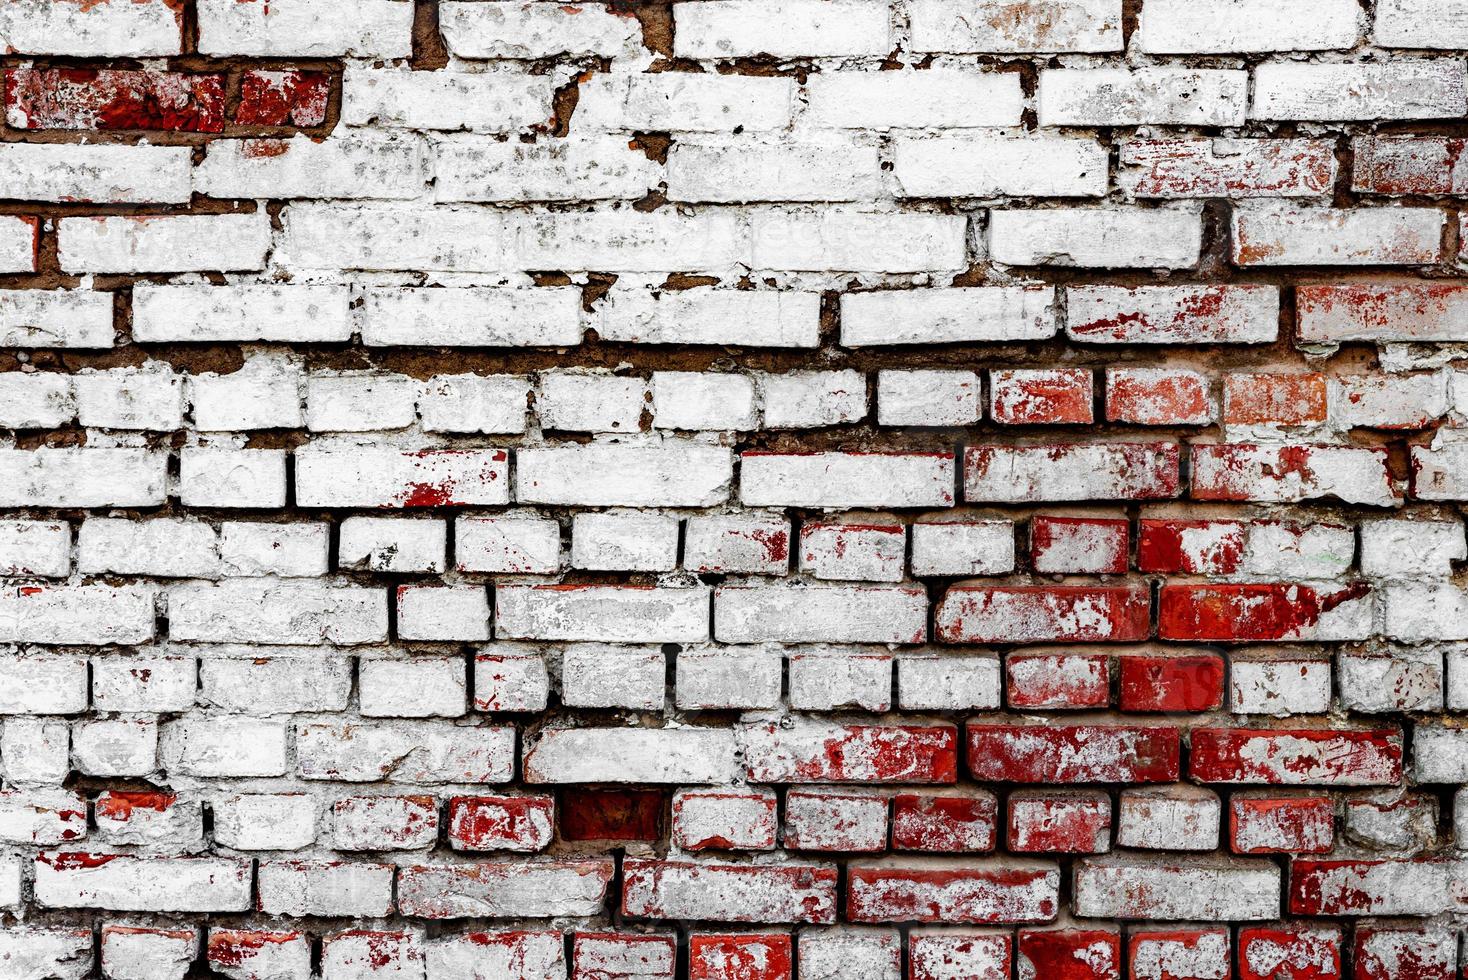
<point x="626" y="241"/>
<point x="631" y="541"/>
<point x="631" y="755"/>
<point x="827" y="820"/>
<point x="744" y="318"/>
<point x="231" y="477"/>
<point x="1401" y="89"/>
<point x="273" y="680"/>
<point x="1014" y="27"/>
<point x="55" y="318"/>
<point x="935" y="99"/>
<point x="360" y="401"/>
<point x="1172" y="314"/>
<point x="928" y="397"/>
<point x="139" y="683"/>
<point x="590" y="402"/>
<point x="470" y="403"/>
<point x="19" y="242"/>
<point x="962" y="547"/>
<point x="521" y="544"/>
<point x="734" y="171"/>
<point x="481" y="103"/>
<point x="165" y="243"/>
<point x="939" y="316"/>
<point x="134" y="30"/>
<point x="1411" y="549"/>
<point x="1360" y="236"/>
<point x="392" y="544"/>
<point x="98" y="174"/>
<point x="820" y="614"/>
<point x="43" y="685"/>
<point x="811" y="399"/>
<point x="1142" y="96"/>
<point x="839" y="480"/>
<point x="265" y="821"/>
<point x="1222" y="26"/>
<point x="36" y="751"/>
<point x="296" y="550"/>
<point x="668" y="475"/>
<point x="130" y="398"/>
<point x="605" y="613"/>
<point x="451" y="613"/>
<point x="82" y="478"/>
<point x="420" y="687"/>
<point x="472" y="317"/>
<point x="720" y="818"/>
<point x="294" y="313"/>
<point x="224" y="747"/>
<point x="354" y="165"/>
<point x="1376" y="681"/>
<point x="577" y="168"/>
<point x="993" y="165"/>
<point x="1280" y="684"/>
<point x="507" y="680"/>
<point x="1421" y="24"/>
<point x="703" y="401"/>
<point x="263" y="394"/>
<point x="294" y="612"/>
<point x="1115" y="239"/>
<point x="162" y="547"/>
<point x="852" y="241"/>
<point x="751" y="544"/>
<point x="381" y="476"/>
<point x="715" y="29"/>
<point x="850" y="953"/>
<point x="595" y="676"/>
<point x="40" y="548"/>
<point x="84" y="615"/>
<point x="853" y="550"/>
<point x="948" y="682"/>
<point x="684" y="102"/>
<point x="64" y="954"/>
<point x="133" y="953"/>
<point x="405" y="752"/>
<point x="533" y="30"/>
<point x="729" y="677"/>
<point x="115" y="747"/>
<point x="1169" y="818"/>
<point x="307" y="28"/>
<point x="390" y="237"/>
<point x="834" y="680"/>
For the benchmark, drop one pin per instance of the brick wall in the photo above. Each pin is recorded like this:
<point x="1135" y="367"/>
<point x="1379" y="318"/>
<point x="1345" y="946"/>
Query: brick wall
<point x="733" y="489"/>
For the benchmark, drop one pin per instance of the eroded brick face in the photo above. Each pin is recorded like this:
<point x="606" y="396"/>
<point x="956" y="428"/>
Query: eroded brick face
<point x="733" y="490"/>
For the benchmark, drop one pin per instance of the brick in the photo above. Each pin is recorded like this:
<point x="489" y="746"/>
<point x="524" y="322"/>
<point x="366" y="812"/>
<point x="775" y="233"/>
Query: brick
<point x="678" y="101"/>
<point x="1424" y="953"/>
<point x="692" y="401"/>
<point x="771" y="893"/>
<point x="19" y="248"/>
<point x="101" y="174"/>
<point x="568" y="755"/>
<point x="1006" y="27"/>
<point x="1073" y="753"/>
<point x="1143" y="96"/>
<point x="711" y="316"/>
<point x="835" y="679"/>
<point x="265" y="822"/>
<point x="984" y="165"/>
<point x="757" y="957"/>
<point x="53" y="318"/>
<point x="983" y="892"/>
<point x="251" y="953"/>
<point x="1043" y="614"/>
<point x="1289" y="952"/>
<point x="743" y="28"/>
<point x="835" y="954"/>
<point x="1169" y="818"/>
<point x="1120" y="239"/>
<point x="1370" y="887"/>
<point x="1405" y="24"/>
<point x="384" y="477"/>
<point x="841" y="480"/>
<point x="820" y="613"/>
<point x="1405" y="402"/>
<point x="506" y="681"/>
<point x="1170" y="682"/>
<point x="1040" y="397"/>
<point x="1297" y="757"/>
<point x="479" y="103"/>
<point x="1058" y="822"/>
<point x="76" y="880"/>
<point x="298" y="313"/>
<point x="811" y="399"/>
<point x="108" y="99"/>
<point x="928" y="398"/>
<point x="1280" y="684"/>
<point x="614" y="614"/>
<point x="408" y="752"/>
<point x="283" y="98"/>
<point x="62" y="953"/>
<point x="822" y="820"/>
<point x="472" y="168"/>
<point x="1177" y="888"/>
<point x="138" y="30"/>
<point x="325" y="888"/>
<point x="1079" y="545"/>
<point x="610" y="955"/>
<point x="1376" y="236"/>
<point x="1291" y="473"/>
<point x="730" y="677"/>
<point x="1403" y="89"/>
<point x="1218" y="26"/>
<point x="1179" y="954"/>
<point x="1253" y="613"/>
<point x="824" y="169"/>
<point x="360" y="28"/>
<point x="822" y="752"/>
<point x="943" y="681"/>
<point x="944" y="823"/>
<point x="1242" y="314"/>
<point x="1158" y="396"/>
<point x="142" y="953"/>
<point x="165" y="243"/>
<point x="962" y="547"/>
<point x="852" y="551"/>
<point x="1057" y="680"/>
<point x="1376" y="681"/>
<point x="724" y="820"/>
<point x="43" y="816"/>
<point x="852" y="241"/>
<point x="624" y="541"/>
<point x="35" y="548"/>
<point x="1069" y="954"/>
<point x="672" y="475"/>
<point x="1270" y="823"/>
<point x="507" y="30"/>
<point x="523" y="953"/>
<point x="947" y="316"/>
<point x="1070" y="471"/>
<point x="83" y="615"/>
<point x="1180" y="168"/>
<point x="1390" y="310"/>
<point x="538" y="889"/>
<point x="1274" y="399"/>
<point x="594" y="676"/>
<point x="983" y="956"/>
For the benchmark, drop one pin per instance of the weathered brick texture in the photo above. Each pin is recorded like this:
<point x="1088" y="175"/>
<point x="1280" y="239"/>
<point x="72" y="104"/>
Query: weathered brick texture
<point x="734" y="489"/>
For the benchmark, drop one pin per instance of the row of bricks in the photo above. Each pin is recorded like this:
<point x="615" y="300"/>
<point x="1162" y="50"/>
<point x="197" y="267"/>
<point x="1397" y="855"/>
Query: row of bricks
<point x="696" y="475"/>
<point x="818" y="168"/>
<point x="1395" y="310"/>
<point x="330" y="237"/>
<point x="986" y="891"/>
<point x="1285" y="951"/>
<point x="313" y="612"/>
<point x="1035" y="750"/>
<point x="867" y="549"/>
<point x="726" y="29"/>
<point x="1171" y="818"/>
<point x="511" y="677"/>
<point x="280" y="394"/>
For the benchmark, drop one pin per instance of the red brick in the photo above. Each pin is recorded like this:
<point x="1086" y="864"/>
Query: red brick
<point x="1259" y="824"/>
<point x="1059" y="822"/>
<point x="1059" y="397"/>
<point x="739" y="957"/>
<point x="1289" y="952"/>
<point x="1408" y="165"/>
<point x="1181" y="682"/>
<point x="1405" y="954"/>
<point x="1058" y="680"/>
<point x="612" y="814"/>
<point x="283" y="98"/>
<point x="501" y="823"/>
<point x="1178" y="954"/>
<point x="969" y="893"/>
<point x="1274" y="399"/>
<point x="1080" y="545"/>
<point x="1157" y="396"/>
<point x="1073" y="753"/>
<point x="1297" y="757"/>
<point x="1248" y="613"/>
<point x="949" y="954"/>
<point x="1191" y="547"/>
<point x="111" y="99"/>
<point x="1070" y="954"/>
<point x="1044" y="614"/>
<point x="1388" y="886"/>
<point x="942" y="822"/>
